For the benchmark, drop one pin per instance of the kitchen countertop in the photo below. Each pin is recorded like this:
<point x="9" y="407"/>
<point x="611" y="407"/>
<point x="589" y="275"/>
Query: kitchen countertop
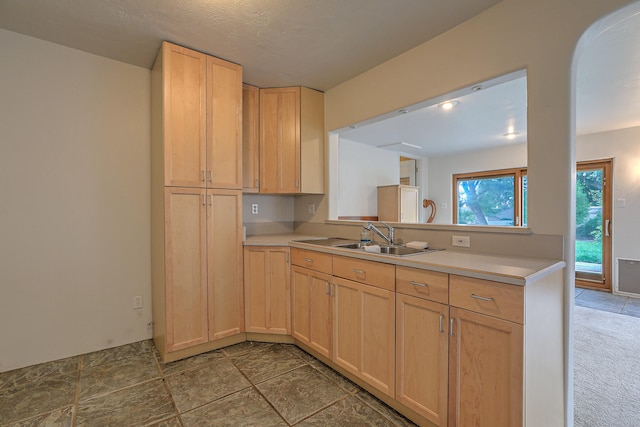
<point x="501" y="268"/>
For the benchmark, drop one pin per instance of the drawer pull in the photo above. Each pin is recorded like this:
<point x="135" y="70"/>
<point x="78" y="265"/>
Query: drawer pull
<point x="308" y="260"/>
<point x="355" y="270"/>
<point x="481" y="298"/>
<point x="423" y="285"/>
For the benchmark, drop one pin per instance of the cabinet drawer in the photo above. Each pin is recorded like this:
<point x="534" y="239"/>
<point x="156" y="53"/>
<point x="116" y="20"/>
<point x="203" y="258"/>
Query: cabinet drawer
<point x="369" y="272"/>
<point x="486" y="297"/>
<point x="424" y="284"/>
<point x="317" y="261"/>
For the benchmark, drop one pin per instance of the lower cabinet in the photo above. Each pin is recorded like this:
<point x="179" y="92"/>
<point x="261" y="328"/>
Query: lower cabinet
<point x="364" y="332"/>
<point x="267" y="293"/>
<point x="311" y="301"/>
<point x="198" y="294"/>
<point x="422" y="356"/>
<point x="485" y="371"/>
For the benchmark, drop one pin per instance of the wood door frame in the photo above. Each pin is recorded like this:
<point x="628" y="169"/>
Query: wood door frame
<point x="604" y="284"/>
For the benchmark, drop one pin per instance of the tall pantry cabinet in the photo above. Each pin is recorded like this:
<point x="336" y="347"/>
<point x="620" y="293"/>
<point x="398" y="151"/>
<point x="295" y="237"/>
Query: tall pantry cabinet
<point x="196" y="202"/>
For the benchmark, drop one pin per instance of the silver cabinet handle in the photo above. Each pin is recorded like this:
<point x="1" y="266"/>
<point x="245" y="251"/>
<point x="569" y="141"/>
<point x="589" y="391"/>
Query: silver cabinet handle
<point x="481" y="298"/>
<point x="451" y="327"/>
<point x="423" y="285"/>
<point x="355" y="270"/>
<point x="210" y="176"/>
<point x="202" y="175"/>
<point x="297" y="183"/>
<point x="326" y="288"/>
<point x="210" y="199"/>
<point x="204" y="200"/>
<point x="308" y="260"/>
<point x="441" y="319"/>
<point x="333" y="290"/>
<point x="607" y="228"/>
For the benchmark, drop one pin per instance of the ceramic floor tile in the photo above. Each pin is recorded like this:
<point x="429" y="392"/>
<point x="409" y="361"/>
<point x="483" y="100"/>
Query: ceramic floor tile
<point x="632" y="307"/>
<point x="190" y="362"/>
<point x="28" y="374"/>
<point x="244" y="408"/>
<point x="261" y="365"/>
<point x="58" y="418"/>
<point x="142" y="404"/>
<point x="300" y="393"/>
<point x="117" y="353"/>
<point x="350" y="412"/>
<point x="297" y="351"/>
<point x="205" y="384"/>
<point x="37" y="397"/>
<point x="109" y="376"/>
<point x="245" y="347"/>
<point x="389" y="413"/>
<point x="601" y="301"/>
<point x="172" y="422"/>
<point x="342" y="382"/>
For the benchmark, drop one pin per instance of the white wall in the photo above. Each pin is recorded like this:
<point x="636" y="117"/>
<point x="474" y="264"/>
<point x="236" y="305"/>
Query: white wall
<point x="442" y="168"/>
<point x="624" y="147"/>
<point x="362" y="168"/>
<point x="74" y="202"/>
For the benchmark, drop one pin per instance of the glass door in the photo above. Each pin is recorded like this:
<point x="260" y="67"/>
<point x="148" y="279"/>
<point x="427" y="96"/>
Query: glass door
<point x="593" y="224"/>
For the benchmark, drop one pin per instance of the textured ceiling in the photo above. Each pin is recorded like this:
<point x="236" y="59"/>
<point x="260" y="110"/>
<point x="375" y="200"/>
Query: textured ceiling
<point x="315" y="43"/>
<point x="321" y="43"/>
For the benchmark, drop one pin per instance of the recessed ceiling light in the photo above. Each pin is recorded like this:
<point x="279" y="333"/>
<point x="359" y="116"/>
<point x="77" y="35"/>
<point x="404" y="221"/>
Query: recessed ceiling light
<point x="476" y="88"/>
<point x="448" y="105"/>
<point x="511" y="135"/>
<point x="403" y="111"/>
<point x="353" y="127"/>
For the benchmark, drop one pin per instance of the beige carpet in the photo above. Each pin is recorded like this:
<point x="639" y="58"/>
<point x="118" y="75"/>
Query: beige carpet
<point x="607" y="369"/>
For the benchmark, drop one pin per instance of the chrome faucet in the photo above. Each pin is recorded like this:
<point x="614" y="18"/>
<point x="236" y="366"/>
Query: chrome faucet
<point x="376" y="230"/>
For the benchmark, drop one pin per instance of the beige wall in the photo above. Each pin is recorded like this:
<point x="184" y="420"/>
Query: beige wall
<point x="74" y="202"/>
<point x="540" y="36"/>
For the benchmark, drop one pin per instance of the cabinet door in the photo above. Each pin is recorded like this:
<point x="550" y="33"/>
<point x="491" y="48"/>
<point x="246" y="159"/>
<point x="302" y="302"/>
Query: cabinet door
<point x="364" y="332"/>
<point x="280" y="140"/>
<point x="408" y="204"/>
<point x="185" y="118"/>
<point x="485" y="371"/>
<point x="422" y="351"/>
<point x="224" y="263"/>
<point x="224" y="124"/>
<point x="311" y="311"/>
<point x="267" y="293"/>
<point x="185" y="268"/>
<point x="250" y="139"/>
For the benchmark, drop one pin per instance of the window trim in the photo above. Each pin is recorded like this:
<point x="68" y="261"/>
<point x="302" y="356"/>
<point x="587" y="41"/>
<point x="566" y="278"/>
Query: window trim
<point x="516" y="173"/>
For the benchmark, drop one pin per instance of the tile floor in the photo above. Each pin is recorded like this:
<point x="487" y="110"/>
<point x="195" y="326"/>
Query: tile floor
<point x="248" y="384"/>
<point x="605" y="301"/>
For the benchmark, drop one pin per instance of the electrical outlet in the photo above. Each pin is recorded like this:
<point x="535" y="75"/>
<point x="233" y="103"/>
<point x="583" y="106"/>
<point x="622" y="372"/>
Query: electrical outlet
<point x="254" y="208"/>
<point x="461" y="241"/>
<point x="137" y="302"/>
<point x="311" y="208"/>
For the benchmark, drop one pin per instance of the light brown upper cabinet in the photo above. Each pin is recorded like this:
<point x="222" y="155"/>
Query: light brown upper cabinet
<point x="291" y="141"/>
<point x="250" y="139"/>
<point x="201" y="119"/>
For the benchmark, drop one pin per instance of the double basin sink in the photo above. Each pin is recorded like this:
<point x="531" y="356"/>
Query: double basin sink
<point x="395" y="250"/>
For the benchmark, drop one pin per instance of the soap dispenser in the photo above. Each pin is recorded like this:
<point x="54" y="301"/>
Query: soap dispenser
<point x="365" y="237"/>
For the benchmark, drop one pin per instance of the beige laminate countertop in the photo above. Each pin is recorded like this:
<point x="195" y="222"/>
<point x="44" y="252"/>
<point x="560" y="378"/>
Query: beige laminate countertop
<point x="500" y="268"/>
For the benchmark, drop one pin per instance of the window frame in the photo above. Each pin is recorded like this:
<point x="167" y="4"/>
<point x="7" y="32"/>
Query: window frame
<point x="517" y="174"/>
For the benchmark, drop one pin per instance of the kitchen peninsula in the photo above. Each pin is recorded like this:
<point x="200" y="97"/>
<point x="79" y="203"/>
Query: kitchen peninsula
<point x="444" y="337"/>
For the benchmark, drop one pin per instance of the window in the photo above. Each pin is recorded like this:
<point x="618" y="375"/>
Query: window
<point x="490" y="198"/>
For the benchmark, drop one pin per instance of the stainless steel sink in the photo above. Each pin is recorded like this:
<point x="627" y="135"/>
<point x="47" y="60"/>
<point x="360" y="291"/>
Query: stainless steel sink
<point x="395" y="250"/>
